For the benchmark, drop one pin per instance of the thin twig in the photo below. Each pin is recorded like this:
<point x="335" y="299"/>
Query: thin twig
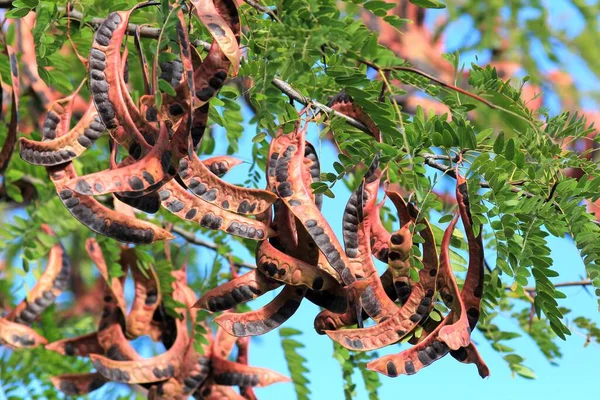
<point x="586" y="282"/>
<point x="190" y="237"/>
<point x="263" y="9"/>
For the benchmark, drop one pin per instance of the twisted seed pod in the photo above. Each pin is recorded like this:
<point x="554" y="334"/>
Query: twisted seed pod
<point x="406" y="318"/>
<point x="290" y="187"/>
<point x="145" y="302"/>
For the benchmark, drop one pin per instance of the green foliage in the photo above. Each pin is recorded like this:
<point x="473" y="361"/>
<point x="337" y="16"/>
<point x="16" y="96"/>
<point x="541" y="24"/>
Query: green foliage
<point x="295" y="361"/>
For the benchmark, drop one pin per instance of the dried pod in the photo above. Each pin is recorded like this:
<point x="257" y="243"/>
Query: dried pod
<point x="292" y="271"/>
<point x="66" y="147"/>
<point x="231" y="373"/>
<point x="81" y="346"/>
<point x="53" y="281"/>
<point x="78" y="384"/>
<point x="19" y="336"/>
<point x="188" y="207"/>
<point x="265" y="319"/>
<point x="237" y="291"/>
<point x="210" y="188"/>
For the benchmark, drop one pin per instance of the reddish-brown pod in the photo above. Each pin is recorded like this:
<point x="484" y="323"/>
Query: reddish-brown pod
<point x="81" y="346"/>
<point x="78" y="384"/>
<point x="19" y="336"/>
<point x="11" y="137"/>
<point x="231" y="373"/>
<point x="53" y="281"/>
<point x="186" y="206"/>
<point x="210" y="188"/>
<point x="237" y="291"/>
<point x="265" y="319"/>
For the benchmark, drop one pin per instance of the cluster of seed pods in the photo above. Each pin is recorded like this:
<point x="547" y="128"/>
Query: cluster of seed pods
<point x="186" y="368"/>
<point x="296" y="249"/>
<point x="308" y="260"/>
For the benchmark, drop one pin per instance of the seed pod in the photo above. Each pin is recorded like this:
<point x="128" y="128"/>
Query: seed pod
<point x="66" y="147"/>
<point x="19" y="336"/>
<point x="456" y="333"/>
<point x="78" y="384"/>
<point x="146" y="301"/>
<point x="416" y="307"/>
<point x="155" y="369"/>
<point x="53" y="281"/>
<point x="292" y="271"/>
<point x="143" y="176"/>
<point x="81" y="346"/>
<point x="231" y="373"/>
<point x="290" y="188"/>
<point x="188" y="207"/>
<point x="265" y="319"/>
<point x="473" y="288"/>
<point x="220" y="165"/>
<point x="11" y="137"/>
<point x="237" y="291"/>
<point x="210" y="188"/>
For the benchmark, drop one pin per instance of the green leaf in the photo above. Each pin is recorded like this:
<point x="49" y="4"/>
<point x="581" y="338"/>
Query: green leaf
<point x="428" y="3"/>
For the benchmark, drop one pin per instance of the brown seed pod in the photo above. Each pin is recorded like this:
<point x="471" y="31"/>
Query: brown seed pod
<point x="291" y="189"/>
<point x="455" y="334"/>
<point x="220" y="29"/>
<point x="81" y="346"/>
<point x="66" y="147"/>
<point x="239" y="290"/>
<point x="473" y="288"/>
<point x="380" y="237"/>
<point x="265" y="319"/>
<point x="164" y="366"/>
<point x="210" y="188"/>
<point x="231" y="373"/>
<point x="141" y="177"/>
<point x="211" y="391"/>
<point x="11" y="137"/>
<point x="101" y="219"/>
<point x="344" y="104"/>
<point x="19" y="336"/>
<point x="145" y="302"/>
<point x="220" y="165"/>
<point x="113" y="102"/>
<point x="115" y="284"/>
<point x="406" y="318"/>
<point x="188" y="207"/>
<point x="289" y="270"/>
<point x="78" y="384"/>
<point x="53" y="281"/>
